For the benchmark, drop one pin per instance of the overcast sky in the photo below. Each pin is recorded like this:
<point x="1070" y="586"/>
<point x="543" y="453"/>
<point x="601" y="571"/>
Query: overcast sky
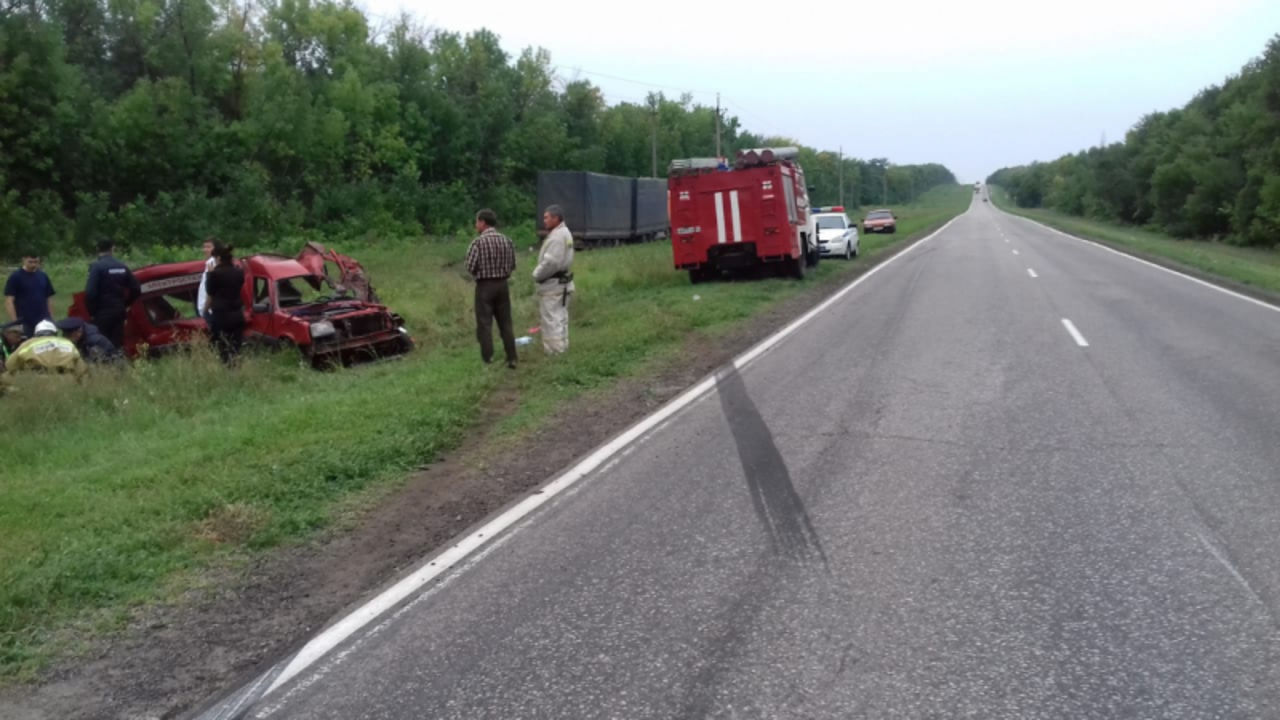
<point x="974" y="85"/>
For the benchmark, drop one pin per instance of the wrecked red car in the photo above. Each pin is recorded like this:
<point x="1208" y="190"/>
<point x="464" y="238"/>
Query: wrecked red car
<point x="320" y="302"/>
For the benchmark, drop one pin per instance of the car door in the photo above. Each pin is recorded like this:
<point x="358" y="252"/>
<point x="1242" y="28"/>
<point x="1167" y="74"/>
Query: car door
<point x="261" y="306"/>
<point x="844" y="245"/>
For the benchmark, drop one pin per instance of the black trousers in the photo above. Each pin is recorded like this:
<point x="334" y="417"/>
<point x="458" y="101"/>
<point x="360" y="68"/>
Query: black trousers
<point x="111" y="324"/>
<point x="493" y="300"/>
<point x="227" y="336"/>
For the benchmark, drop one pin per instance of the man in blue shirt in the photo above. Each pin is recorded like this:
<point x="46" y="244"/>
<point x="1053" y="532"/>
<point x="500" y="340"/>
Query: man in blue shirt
<point x="28" y="294"/>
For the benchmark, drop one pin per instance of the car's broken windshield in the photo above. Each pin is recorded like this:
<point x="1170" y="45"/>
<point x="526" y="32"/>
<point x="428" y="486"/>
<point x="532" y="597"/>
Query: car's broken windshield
<point x="301" y="290"/>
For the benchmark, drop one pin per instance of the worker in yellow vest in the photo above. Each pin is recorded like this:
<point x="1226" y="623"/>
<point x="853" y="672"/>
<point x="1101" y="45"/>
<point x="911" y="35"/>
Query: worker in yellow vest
<point x="47" y="352"/>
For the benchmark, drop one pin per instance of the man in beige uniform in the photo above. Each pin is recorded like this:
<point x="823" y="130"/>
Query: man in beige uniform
<point x="554" y="279"/>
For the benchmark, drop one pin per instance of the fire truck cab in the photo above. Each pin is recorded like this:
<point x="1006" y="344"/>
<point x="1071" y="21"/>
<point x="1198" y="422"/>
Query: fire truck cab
<point x="753" y="215"/>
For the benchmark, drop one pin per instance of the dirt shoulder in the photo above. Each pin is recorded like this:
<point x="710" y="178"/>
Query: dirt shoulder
<point x="173" y="657"/>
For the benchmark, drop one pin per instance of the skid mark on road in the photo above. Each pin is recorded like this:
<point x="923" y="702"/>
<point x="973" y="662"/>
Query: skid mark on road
<point x="773" y="495"/>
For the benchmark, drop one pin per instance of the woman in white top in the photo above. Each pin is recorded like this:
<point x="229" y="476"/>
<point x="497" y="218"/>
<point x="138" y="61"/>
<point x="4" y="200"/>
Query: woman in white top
<point x="203" y="294"/>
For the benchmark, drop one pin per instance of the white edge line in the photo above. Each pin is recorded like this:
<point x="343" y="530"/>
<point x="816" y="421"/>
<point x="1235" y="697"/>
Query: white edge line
<point x="1075" y="334"/>
<point x="438" y="564"/>
<point x="1231" y="568"/>
<point x="1157" y="266"/>
<point x="1032" y="273"/>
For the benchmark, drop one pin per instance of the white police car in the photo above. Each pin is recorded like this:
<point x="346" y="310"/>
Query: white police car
<point x="837" y="235"/>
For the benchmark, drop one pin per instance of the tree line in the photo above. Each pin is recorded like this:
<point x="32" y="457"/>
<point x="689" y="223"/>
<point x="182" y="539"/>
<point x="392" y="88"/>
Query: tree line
<point x="159" y="122"/>
<point x="1208" y="170"/>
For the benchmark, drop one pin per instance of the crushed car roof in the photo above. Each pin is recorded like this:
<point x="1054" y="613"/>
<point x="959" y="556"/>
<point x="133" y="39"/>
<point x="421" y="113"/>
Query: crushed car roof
<point x="272" y="266"/>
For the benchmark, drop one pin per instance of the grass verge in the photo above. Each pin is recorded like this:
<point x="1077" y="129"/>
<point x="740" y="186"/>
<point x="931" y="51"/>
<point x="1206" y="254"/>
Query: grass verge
<point x="119" y="490"/>
<point x="1245" y="268"/>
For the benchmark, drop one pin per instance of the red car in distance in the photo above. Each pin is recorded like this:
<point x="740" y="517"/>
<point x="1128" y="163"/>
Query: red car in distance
<point x="880" y="221"/>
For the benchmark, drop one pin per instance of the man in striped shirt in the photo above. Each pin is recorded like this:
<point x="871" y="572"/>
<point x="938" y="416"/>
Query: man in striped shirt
<point x="491" y="259"/>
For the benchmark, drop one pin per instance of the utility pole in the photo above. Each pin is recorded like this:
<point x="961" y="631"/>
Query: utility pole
<point x="653" y="143"/>
<point x="717" y="127"/>
<point x="840" y="166"/>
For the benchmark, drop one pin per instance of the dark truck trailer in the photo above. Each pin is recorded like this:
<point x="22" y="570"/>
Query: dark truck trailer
<point x="603" y="210"/>
<point x="649" y="208"/>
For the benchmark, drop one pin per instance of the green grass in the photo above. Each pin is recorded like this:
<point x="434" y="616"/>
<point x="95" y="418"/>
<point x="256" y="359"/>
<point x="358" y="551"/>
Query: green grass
<point x="123" y="489"/>
<point x="1247" y="266"/>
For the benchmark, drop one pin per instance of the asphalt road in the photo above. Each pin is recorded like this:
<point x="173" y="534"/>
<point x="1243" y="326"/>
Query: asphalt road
<point x="934" y="500"/>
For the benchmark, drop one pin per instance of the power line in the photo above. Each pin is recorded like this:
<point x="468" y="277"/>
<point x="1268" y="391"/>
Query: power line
<point x="730" y="107"/>
<point x="614" y="98"/>
<point x="660" y="86"/>
<point x="762" y="128"/>
<point x="384" y="18"/>
<point x="749" y="117"/>
<point x="748" y="122"/>
<point x="729" y="102"/>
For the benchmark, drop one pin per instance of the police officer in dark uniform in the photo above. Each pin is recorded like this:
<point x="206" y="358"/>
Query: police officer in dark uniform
<point x="110" y="290"/>
<point x="10" y="338"/>
<point x="94" y="347"/>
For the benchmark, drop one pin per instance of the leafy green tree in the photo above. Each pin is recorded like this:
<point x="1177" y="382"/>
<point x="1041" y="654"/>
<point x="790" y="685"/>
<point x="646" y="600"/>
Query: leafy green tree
<point x="1206" y="170"/>
<point x="157" y="122"/>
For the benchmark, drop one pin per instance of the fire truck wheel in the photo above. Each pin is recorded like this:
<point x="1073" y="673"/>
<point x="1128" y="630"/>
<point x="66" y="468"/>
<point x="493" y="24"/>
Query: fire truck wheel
<point x="812" y="255"/>
<point x="696" y="276"/>
<point x="796" y="267"/>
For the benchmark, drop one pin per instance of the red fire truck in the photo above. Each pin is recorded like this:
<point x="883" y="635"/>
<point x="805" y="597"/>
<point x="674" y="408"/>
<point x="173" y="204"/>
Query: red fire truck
<point x="752" y="215"/>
